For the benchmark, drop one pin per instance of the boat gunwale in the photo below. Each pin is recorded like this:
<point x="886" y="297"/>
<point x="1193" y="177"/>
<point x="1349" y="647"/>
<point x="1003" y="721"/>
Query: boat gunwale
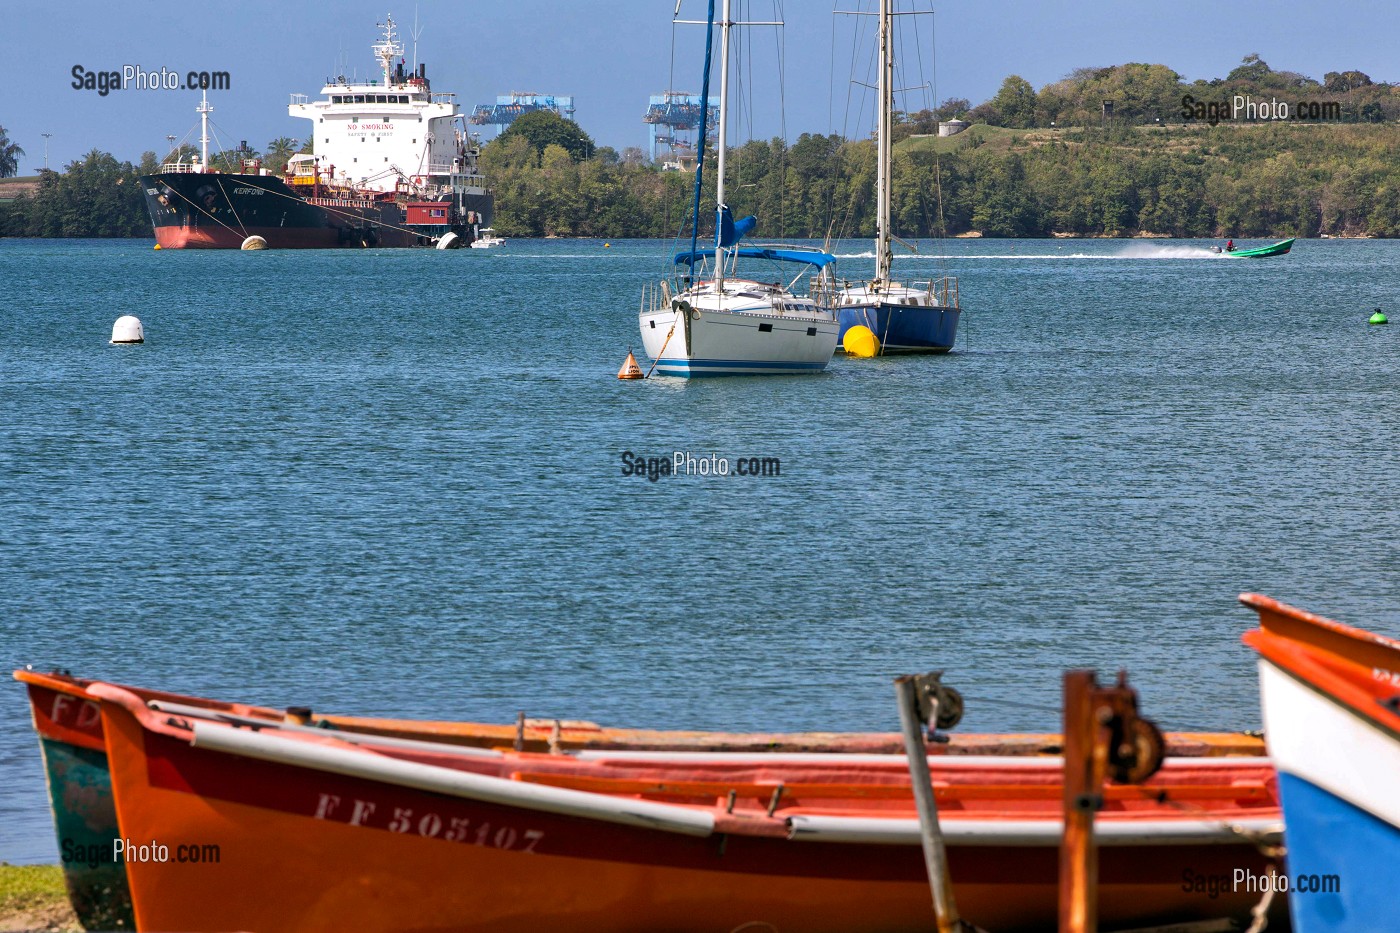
<point x="590" y="739"/>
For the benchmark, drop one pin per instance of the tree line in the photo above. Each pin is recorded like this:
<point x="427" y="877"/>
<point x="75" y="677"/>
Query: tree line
<point x="1139" y="93"/>
<point x="1120" y="180"/>
<point x="1034" y="163"/>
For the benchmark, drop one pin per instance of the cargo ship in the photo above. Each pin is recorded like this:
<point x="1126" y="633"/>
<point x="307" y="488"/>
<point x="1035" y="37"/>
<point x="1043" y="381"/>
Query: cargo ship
<point x="392" y="166"/>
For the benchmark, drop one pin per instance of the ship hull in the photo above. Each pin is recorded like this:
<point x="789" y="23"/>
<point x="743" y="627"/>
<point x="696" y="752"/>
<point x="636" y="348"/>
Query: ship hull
<point x="904" y="328"/>
<point x="709" y="342"/>
<point x="1332" y="722"/>
<point x="222" y="211"/>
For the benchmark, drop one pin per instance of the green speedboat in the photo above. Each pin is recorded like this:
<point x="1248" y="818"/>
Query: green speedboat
<point x="1273" y="249"/>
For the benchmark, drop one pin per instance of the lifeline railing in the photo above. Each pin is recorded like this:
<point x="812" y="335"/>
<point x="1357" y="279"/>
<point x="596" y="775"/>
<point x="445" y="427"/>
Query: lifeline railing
<point x="942" y="292"/>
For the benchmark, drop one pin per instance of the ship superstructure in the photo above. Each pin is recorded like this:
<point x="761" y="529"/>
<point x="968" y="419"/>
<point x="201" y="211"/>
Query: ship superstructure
<point x="390" y="133"/>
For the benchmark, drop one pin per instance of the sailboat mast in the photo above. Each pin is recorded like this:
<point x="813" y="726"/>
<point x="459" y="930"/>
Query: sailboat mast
<point x="883" y="252"/>
<point x="721" y="143"/>
<point x="700" y="146"/>
<point x="882" y="143"/>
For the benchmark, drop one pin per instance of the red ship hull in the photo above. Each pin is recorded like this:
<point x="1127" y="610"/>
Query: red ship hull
<point x="277" y="238"/>
<point x="191" y="210"/>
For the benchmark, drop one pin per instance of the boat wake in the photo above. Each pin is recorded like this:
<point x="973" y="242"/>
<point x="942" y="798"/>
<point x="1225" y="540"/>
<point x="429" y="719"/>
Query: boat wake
<point x="1132" y="251"/>
<point x="1155" y="251"/>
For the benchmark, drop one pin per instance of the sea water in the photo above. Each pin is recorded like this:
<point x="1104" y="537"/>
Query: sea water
<point x="392" y="483"/>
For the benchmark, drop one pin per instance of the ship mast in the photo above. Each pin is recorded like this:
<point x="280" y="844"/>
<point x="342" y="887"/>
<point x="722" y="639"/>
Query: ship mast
<point x="204" y="110"/>
<point x="720" y="143"/>
<point x="883" y="252"/>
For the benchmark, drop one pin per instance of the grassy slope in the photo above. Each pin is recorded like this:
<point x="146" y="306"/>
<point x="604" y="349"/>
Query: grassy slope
<point x="978" y="131"/>
<point x="32" y="897"/>
<point x="11" y="188"/>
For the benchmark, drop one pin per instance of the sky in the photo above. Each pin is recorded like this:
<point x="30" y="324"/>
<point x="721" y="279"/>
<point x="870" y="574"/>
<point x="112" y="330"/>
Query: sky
<point x="612" y="54"/>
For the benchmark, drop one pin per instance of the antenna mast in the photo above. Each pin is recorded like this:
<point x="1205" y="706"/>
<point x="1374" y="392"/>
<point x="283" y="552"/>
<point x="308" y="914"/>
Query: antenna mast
<point x="416" y="33"/>
<point x="388" y="49"/>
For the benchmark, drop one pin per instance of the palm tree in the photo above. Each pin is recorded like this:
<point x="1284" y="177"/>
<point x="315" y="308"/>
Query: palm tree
<point x="9" y="156"/>
<point x="278" y="152"/>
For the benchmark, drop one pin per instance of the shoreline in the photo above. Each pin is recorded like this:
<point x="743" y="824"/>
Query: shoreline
<point x="967" y="235"/>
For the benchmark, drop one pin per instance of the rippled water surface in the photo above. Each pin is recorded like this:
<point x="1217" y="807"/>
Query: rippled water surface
<point x="389" y="482"/>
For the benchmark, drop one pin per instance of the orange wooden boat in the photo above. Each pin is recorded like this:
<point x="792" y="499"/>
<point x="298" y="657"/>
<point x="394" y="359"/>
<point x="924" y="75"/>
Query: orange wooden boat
<point x="68" y="721"/>
<point x="267" y="829"/>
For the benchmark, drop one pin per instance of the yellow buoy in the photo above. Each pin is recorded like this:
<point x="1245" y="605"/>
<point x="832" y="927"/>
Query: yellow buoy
<point x="861" y="341"/>
<point x="607" y="246"/>
<point x="157" y="246"/>
<point x="630" y="369"/>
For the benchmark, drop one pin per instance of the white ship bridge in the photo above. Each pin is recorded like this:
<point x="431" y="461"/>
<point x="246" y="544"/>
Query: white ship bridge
<point x="388" y="135"/>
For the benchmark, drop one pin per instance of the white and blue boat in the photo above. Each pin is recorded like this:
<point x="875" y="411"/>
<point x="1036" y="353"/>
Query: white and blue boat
<point x="705" y="320"/>
<point x="1331" y="703"/>
<point x="905" y="317"/>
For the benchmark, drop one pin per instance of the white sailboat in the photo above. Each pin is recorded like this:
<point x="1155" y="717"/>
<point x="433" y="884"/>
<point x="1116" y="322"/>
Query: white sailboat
<point x="707" y="321"/>
<point x="905" y="317"/>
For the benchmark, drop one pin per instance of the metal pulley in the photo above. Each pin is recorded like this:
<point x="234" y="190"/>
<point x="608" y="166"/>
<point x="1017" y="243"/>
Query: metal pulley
<point x="1135" y="746"/>
<point x="931" y="694"/>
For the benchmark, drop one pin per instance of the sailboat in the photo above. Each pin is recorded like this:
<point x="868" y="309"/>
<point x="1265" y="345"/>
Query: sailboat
<point x="913" y="317"/>
<point x="705" y="320"/>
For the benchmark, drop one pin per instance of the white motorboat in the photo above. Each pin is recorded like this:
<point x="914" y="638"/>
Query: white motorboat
<point x="486" y="239"/>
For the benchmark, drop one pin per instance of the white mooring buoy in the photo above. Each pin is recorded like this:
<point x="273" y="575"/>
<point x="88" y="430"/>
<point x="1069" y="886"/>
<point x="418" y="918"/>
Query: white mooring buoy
<point x="127" y="329"/>
<point x="254" y="242"/>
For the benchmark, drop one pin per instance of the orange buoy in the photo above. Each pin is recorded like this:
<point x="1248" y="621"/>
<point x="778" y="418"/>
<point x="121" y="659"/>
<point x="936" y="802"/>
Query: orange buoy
<point x="630" y="369"/>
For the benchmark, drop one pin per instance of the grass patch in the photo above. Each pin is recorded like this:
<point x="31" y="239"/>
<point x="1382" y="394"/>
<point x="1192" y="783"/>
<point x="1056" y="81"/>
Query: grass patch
<point x="32" y="897"/>
<point x="981" y="133"/>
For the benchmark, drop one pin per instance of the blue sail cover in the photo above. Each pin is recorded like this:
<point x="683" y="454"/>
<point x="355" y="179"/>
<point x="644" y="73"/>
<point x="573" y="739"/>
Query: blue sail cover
<point x="811" y="257"/>
<point x="729" y="232"/>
